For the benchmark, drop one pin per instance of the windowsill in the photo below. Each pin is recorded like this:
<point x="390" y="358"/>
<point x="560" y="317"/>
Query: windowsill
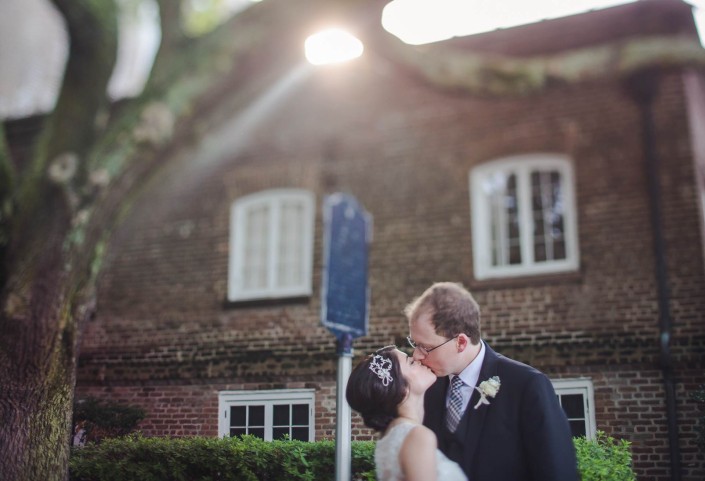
<point x="268" y="302"/>
<point x="514" y="282"/>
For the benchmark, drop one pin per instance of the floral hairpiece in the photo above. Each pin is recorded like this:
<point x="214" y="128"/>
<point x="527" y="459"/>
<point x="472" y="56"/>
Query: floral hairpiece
<point x="381" y="366"/>
<point x="488" y="388"/>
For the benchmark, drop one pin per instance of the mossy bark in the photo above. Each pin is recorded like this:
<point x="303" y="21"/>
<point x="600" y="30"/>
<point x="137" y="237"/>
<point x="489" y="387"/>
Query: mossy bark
<point x="43" y="276"/>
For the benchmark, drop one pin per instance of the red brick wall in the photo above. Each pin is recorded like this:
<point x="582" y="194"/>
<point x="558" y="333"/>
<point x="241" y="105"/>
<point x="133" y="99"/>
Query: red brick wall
<point x="192" y="410"/>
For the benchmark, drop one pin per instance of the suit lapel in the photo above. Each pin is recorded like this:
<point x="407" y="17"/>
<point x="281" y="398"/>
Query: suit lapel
<point x="434" y="406"/>
<point x="470" y="428"/>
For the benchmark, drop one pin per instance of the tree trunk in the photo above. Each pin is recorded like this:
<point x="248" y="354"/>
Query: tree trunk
<point x="37" y="347"/>
<point x="46" y="267"/>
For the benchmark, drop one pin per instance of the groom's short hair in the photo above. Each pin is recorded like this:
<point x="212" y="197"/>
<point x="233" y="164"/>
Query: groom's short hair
<point x="452" y="309"/>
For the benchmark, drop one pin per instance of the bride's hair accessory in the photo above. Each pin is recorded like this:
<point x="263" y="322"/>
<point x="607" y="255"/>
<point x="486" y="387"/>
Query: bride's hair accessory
<point x="381" y="366"/>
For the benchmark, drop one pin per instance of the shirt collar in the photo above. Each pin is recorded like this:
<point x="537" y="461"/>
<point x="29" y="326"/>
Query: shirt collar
<point x="471" y="373"/>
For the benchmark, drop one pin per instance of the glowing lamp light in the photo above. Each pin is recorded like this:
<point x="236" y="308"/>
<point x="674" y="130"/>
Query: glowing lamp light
<point x="332" y="46"/>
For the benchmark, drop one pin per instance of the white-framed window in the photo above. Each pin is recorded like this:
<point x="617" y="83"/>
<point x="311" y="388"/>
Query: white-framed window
<point x="577" y="399"/>
<point x="267" y="414"/>
<point x="271" y="245"/>
<point x="524" y="219"/>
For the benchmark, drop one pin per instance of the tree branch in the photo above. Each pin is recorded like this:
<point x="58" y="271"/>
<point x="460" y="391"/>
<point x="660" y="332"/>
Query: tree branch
<point x="71" y="127"/>
<point x="44" y="193"/>
<point x="172" y="32"/>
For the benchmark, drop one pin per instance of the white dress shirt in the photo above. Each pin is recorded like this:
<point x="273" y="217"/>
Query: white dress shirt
<point x="469" y="376"/>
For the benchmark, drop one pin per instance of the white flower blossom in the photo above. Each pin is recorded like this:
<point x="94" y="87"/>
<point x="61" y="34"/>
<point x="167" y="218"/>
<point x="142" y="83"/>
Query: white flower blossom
<point x="488" y="388"/>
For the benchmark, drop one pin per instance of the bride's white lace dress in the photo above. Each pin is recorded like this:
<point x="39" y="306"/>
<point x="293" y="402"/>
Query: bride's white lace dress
<point x="387" y="457"/>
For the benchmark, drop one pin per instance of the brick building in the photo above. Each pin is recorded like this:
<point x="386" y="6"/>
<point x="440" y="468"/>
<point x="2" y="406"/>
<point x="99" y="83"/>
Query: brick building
<point x="593" y="256"/>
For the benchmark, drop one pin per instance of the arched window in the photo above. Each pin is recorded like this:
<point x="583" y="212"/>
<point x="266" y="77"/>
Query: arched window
<point x="271" y="245"/>
<point x="523" y="216"/>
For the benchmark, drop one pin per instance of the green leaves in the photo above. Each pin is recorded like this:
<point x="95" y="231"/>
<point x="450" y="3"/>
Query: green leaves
<point x="246" y="458"/>
<point x="604" y="459"/>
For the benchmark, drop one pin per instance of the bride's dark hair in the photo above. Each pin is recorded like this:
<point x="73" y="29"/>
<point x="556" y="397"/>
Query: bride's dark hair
<point x="367" y="394"/>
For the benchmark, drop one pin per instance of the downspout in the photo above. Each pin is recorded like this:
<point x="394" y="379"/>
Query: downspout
<point x="643" y="87"/>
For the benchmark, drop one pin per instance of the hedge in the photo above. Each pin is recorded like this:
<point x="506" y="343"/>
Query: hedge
<point x="247" y="458"/>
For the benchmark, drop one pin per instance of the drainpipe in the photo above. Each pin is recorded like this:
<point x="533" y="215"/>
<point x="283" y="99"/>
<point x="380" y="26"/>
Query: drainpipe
<point x="643" y="87"/>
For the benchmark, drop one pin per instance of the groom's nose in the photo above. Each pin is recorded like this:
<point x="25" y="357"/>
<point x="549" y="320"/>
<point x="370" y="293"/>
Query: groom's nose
<point x="418" y="355"/>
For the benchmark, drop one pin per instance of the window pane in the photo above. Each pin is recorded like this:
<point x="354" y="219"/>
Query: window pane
<point x="279" y="433"/>
<point x="300" y="434"/>
<point x="237" y="432"/>
<point x="238" y="416"/>
<point x="256" y="248"/>
<point x="300" y="415"/>
<point x="290" y="262"/>
<point x="573" y="405"/>
<point x="505" y="232"/>
<point x="281" y="415"/>
<point x="548" y="216"/>
<point x="256" y="416"/>
<point x="539" y="204"/>
<point x="559" y="251"/>
<point x="511" y="202"/>
<point x="515" y="254"/>
<point x="577" y="428"/>
<point x="258" y="432"/>
<point x="558" y="214"/>
<point x="539" y="249"/>
<point x="574" y="408"/>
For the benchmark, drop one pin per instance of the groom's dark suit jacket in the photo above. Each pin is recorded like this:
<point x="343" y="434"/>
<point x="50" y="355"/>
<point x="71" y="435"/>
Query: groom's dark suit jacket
<point x="522" y="435"/>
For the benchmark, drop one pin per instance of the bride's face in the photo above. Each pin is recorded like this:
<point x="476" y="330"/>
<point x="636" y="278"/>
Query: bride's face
<point x="418" y="376"/>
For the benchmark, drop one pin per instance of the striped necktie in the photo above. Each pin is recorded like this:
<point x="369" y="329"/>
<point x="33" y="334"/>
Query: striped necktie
<point x="455" y="404"/>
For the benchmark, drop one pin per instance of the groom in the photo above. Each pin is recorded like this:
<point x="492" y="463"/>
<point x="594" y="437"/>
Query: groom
<point x="496" y="417"/>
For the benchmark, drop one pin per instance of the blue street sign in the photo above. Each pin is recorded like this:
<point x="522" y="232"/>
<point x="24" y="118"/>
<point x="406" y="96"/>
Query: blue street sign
<point x="345" y="293"/>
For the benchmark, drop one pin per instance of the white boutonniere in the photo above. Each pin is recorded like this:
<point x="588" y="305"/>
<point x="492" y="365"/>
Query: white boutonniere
<point x="488" y="388"/>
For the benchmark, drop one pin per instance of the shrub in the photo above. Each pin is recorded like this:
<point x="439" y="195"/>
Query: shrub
<point x="105" y="419"/>
<point x="247" y="458"/>
<point x="604" y="459"/>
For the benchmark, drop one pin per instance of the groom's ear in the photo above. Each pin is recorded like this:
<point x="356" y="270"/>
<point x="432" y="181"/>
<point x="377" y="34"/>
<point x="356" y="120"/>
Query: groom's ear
<point x="463" y="342"/>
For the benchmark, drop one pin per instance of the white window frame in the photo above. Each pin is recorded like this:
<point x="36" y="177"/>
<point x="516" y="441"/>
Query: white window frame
<point x="584" y="387"/>
<point x="268" y="399"/>
<point x="274" y="199"/>
<point x="522" y="166"/>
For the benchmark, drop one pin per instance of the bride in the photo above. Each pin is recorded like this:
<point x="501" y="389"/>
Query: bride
<point x="387" y="389"/>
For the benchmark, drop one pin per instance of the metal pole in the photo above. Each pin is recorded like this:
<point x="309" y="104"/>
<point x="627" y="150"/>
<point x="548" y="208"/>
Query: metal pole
<point x="343" y="431"/>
